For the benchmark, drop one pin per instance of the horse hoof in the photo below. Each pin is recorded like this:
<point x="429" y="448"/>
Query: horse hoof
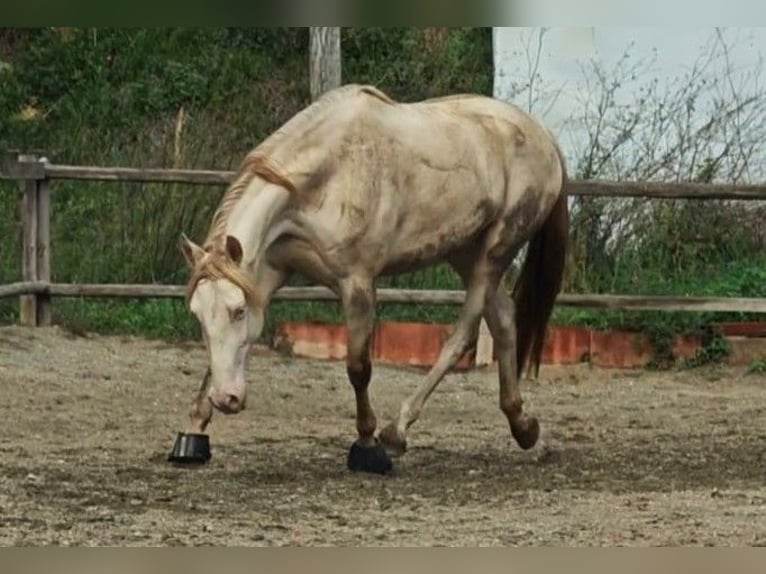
<point x="393" y="442"/>
<point x="526" y="431"/>
<point x="369" y="459"/>
<point x="190" y="448"/>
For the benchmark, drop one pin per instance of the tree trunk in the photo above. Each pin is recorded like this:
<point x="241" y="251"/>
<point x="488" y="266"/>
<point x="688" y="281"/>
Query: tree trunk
<point x="324" y="60"/>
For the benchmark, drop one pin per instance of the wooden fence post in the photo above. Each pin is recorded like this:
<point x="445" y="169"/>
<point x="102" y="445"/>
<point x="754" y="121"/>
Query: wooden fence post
<point x="44" y="315"/>
<point x="35" y="309"/>
<point x="29" y="219"/>
<point x="324" y="60"/>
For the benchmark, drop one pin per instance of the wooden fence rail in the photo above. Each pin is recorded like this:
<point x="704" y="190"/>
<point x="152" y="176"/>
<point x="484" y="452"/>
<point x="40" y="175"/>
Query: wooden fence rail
<point x="41" y="170"/>
<point x="398" y="296"/>
<point x="36" y="290"/>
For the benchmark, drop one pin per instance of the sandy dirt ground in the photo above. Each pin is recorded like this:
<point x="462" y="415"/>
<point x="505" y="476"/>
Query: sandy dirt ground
<point x="626" y="457"/>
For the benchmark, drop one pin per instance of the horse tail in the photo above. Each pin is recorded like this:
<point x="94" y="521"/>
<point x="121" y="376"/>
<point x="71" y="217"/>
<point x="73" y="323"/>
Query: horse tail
<point x="540" y="280"/>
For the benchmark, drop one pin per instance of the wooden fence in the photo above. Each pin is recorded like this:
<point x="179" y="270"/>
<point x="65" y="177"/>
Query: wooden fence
<point x="36" y="290"/>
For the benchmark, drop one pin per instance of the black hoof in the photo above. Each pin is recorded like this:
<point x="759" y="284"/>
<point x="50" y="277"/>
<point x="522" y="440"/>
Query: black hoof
<point x="190" y="449"/>
<point x="526" y="432"/>
<point x="369" y="459"/>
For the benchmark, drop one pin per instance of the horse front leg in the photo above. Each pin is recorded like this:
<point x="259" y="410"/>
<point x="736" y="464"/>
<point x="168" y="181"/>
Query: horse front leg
<point x="366" y="453"/>
<point x="201" y="410"/>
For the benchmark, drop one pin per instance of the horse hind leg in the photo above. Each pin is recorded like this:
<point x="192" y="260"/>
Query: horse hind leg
<point x="518" y="324"/>
<point x="482" y="275"/>
<point x="499" y="315"/>
<point x="466" y="332"/>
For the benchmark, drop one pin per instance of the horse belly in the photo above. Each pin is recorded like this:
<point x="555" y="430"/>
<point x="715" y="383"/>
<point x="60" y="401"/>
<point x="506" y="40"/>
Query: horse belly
<point x="422" y="234"/>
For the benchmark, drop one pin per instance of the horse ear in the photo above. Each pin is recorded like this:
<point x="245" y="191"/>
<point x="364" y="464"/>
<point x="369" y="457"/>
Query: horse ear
<point x="234" y="249"/>
<point x="192" y="252"/>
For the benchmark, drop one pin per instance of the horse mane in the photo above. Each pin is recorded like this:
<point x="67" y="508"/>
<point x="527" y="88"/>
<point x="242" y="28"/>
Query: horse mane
<point x="254" y="164"/>
<point x="216" y="264"/>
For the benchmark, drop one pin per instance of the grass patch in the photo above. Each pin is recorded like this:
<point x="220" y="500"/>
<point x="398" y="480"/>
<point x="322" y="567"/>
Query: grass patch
<point x="757" y="367"/>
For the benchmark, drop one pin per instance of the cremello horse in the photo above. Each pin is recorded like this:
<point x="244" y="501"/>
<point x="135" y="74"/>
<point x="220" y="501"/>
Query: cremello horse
<point x="357" y="186"/>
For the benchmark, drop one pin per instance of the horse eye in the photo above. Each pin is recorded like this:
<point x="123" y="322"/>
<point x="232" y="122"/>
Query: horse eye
<point x="238" y="314"/>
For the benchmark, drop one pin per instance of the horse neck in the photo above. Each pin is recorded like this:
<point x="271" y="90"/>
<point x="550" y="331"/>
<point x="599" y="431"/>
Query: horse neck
<point x="256" y="213"/>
